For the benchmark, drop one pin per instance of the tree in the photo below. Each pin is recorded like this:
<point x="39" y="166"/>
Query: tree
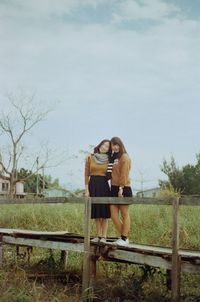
<point x="44" y="181"/>
<point x="17" y="118"/>
<point x="185" y="180"/>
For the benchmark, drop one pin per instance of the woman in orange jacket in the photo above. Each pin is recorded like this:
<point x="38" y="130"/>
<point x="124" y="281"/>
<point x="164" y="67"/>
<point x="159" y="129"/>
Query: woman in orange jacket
<point x="96" y="185"/>
<point x="120" y="187"/>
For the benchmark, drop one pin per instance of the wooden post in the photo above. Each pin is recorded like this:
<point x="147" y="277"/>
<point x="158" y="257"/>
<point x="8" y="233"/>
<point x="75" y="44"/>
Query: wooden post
<point x="176" y="263"/>
<point x="1" y="250"/>
<point x="63" y="259"/>
<point x="87" y="254"/>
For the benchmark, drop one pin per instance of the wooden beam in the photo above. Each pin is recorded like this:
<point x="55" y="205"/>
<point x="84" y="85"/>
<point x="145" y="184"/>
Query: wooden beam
<point x="67" y="246"/>
<point x="138" y="258"/>
<point x="176" y="258"/>
<point x="87" y="254"/>
<point x="63" y="259"/>
<point x="96" y="200"/>
<point x="184" y="200"/>
<point x="1" y="250"/>
<point x="190" y="200"/>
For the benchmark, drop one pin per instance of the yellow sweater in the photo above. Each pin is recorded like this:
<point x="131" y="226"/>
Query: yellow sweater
<point x="94" y="169"/>
<point x="120" y="172"/>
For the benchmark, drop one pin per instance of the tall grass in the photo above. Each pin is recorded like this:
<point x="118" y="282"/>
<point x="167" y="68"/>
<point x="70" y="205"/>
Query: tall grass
<point x="150" y="224"/>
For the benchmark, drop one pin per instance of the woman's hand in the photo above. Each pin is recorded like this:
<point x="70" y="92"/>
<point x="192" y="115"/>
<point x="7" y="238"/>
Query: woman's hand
<point x="120" y="192"/>
<point x="87" y="193"/>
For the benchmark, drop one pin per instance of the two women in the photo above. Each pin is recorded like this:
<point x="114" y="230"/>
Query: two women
<point x="112" y="161"/>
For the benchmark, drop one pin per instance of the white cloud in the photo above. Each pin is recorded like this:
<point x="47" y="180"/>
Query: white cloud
<point x="155" y="10"/>
<point x="44" y="9"/>
<point x="112" y="80"/>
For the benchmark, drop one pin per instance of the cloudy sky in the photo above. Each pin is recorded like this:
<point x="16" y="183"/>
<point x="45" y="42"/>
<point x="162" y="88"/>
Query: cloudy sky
<point x="127" y="68"/>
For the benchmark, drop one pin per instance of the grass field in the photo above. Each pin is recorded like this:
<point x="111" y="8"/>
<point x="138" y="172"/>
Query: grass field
<point x="150" y="224"/>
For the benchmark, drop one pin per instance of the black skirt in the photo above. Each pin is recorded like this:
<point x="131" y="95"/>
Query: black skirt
<point x="98" y="187"/>
<point x="127" y="191"/>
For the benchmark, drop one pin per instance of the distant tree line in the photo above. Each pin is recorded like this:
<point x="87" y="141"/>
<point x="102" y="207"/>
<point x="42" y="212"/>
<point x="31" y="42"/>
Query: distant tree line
<point x="185" y="180"/>
<point x="44" y="182"/>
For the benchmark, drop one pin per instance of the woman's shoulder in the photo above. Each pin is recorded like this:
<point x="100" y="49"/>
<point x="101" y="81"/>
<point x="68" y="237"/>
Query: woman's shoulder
<point x="125" y="156"/>
<point x="88" y="157"/>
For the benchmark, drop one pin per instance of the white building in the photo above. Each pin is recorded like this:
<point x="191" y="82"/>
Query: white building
<point x="154" y="192"/>
<point x="5" y="188"/>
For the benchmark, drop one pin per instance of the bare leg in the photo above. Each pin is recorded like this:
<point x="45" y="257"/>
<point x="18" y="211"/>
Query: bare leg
<point x="115" y="217"/>
<point x="104" y="225"/>
<point x="126" y="220"/>
<point x="99" y="227"/>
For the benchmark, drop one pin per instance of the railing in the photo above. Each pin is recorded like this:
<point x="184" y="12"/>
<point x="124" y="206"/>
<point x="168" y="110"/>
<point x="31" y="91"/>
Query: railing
<point x="174" y="202"/>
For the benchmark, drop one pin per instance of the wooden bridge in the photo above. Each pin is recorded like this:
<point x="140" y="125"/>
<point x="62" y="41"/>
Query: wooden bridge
<point x="172" y="259"/>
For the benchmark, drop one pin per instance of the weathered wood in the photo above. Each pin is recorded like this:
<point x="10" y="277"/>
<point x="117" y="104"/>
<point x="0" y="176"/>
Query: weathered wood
<point x="142" y="248"/>
<point x="63" y="259"/>
<point x="138" y="258"/>
<point x="87" y="255"/>
<point x="68" y="246"/>
<point x="190" y="200"/>
<point x="32" y="232"/>
<point x="159" y="260"/>
<point x="1" y="250"/>
<point x="97" y="200"/>
<point x="184" y="200"/>
<point x="176" y="264"/>
<point x="189" y="261"/>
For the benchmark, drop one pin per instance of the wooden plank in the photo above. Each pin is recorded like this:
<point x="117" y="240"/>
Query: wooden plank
<point x="63" y="259"/>
<point x="32" y="232"/>
<point x="117" y="254"/>
<point x="175" y="256"/>
<point x="143" y="248"/>
<point x="50" y="200"/>
<point x="189" y="253"/>
<point x="184" y="200"/>
<point x="152" y="260"/>
<point x="67" y="246"/>
<point x="1" y="250"/>
<point x="138" y="258"/>
<point x="191" y="268"/>
<point x="97" y="200"/>
<point x="87" y="254"/>
<point x="190" y="200"/>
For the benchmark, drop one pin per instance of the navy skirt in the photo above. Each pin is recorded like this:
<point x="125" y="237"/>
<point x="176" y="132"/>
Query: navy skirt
<point x="127" y="191"/>
<point x="98" y="187"/>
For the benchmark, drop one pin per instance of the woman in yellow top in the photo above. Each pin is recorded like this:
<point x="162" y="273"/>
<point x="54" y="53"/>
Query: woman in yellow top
<point x="96" y="185"/>
<point x="120" y="187"/>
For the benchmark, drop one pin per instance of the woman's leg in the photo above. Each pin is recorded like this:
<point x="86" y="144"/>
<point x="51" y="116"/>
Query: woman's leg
<point x="125" y="219"/>
<point x="115" y="217"/>
<point x="104" y="227"/>
<point x="98" y="222"/>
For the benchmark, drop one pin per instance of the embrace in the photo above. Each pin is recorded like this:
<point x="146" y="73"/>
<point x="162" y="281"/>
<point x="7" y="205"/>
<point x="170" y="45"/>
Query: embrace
<point x="107" y="175"/>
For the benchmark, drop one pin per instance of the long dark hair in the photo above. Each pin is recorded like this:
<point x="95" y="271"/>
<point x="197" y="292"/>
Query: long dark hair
<point x="96" y="149"/>
<point x="117" y="141"/>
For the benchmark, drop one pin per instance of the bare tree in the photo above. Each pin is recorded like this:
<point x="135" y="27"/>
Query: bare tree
<point x="18" y="116"/>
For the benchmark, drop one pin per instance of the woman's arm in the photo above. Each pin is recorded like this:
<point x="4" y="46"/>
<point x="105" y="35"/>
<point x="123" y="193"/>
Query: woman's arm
<point x="124" y="172"/>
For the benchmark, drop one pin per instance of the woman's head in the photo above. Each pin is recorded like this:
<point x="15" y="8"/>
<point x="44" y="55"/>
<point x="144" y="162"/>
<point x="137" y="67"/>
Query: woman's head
<point x="117" y="146"/>
<point x="103" y="147"/>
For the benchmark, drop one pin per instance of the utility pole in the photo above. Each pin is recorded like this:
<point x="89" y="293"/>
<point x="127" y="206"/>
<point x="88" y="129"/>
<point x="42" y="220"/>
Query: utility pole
<point x="37" y="179"/>
<point x="43" y="180"/>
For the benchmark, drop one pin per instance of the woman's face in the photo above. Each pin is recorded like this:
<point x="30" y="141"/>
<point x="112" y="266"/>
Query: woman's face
<point x="104" y="148"/>
<point x="115" y="148"/>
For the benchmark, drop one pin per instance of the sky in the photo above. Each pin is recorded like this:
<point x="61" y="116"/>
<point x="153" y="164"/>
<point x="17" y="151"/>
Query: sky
<point x="112" y="68"/>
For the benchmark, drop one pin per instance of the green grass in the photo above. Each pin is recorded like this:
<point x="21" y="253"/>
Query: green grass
<point x="150" y="224"/>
